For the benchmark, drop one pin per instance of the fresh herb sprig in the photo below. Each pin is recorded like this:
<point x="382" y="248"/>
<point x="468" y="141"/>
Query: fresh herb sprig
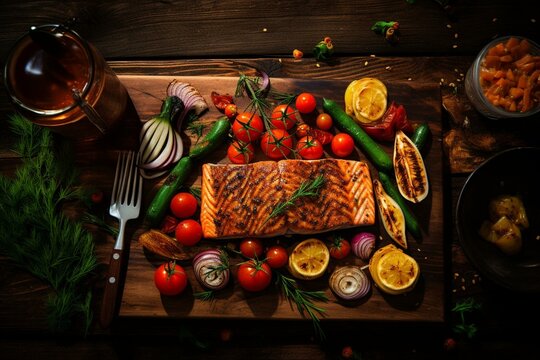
<point x="468" y="305"/>
<point x="303" y="300"/>
<point x="36" y="234"/>
<point x="309" y="188"/>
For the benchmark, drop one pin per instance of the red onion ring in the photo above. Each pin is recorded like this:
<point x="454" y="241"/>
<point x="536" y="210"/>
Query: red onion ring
<point x="363" y="244"/>
<point x="210" y="269"/>
<point x="349" y="283"/>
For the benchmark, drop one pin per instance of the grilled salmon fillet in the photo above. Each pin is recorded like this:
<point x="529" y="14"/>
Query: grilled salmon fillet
<point x="236" y="200"/>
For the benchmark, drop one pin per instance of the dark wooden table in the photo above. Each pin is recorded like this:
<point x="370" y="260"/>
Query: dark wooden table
<point x="436" y="46"/>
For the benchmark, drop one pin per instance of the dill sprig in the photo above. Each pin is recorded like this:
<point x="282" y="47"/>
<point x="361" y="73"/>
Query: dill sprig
<point x="36" y="234"/>
<point x="303" y="300"/>
<point x="92" y="219"/>
<point x="309" y="188"/>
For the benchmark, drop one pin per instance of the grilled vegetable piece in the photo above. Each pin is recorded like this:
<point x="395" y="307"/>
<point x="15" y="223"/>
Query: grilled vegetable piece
<point x="411" y="174"/>
<point x="391" y="215"/>
<point x="410" y="219"/>
<point x="161" y="244"/>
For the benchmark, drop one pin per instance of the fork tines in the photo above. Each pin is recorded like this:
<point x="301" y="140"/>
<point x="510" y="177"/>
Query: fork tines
<point x="127" y="182"/>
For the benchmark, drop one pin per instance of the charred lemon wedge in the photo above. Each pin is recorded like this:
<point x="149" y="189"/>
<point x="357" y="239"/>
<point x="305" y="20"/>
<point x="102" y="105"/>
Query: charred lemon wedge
<point x="391" y="215"/>
<point x="393" y="271"/>
<point x="366" y="99"/>
<point x="411" y="174"/>
<point x="309" y="259"/>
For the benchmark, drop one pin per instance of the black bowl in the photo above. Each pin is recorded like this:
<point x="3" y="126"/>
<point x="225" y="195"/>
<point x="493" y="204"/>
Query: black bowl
<point x="513" y="172"/>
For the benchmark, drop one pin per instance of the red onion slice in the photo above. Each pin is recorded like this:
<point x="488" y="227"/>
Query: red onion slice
<point x="349" y="283"/>
<point x="363" y="244"/>
<point x="211" y="269"/>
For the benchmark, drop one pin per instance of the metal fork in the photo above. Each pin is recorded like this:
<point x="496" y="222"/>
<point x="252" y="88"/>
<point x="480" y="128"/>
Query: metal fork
<point x="125" y="205"/>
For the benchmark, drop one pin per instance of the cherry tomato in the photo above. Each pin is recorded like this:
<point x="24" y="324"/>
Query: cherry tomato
<point x="240" y="152"/>
<point x="276" y="144"/>
<point x="277" y="257"/>
<point x="183" y="205"/>
<point x="188" y="232"/>
<point x="339" y="248"/>
<point x="324" y="121"/>
<point x="251" y="248"/>
<point x="247" y="127"/>
<point x="309" y="148"/>
<point x="306" y="103"/>
<point x="342" y="145"/>
<point x="231" y="111"/>
<point x="97" y="197"/>
<point x="297" y="54"/>
<point x="254" y="275"/>
<point x="283" y="117"/>
<point x="170" y="279"/>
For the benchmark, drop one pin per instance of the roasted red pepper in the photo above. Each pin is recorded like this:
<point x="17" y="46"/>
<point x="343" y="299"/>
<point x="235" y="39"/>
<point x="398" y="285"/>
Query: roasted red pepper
<point x="169" y="224"/>
<point x="324" y="137"/>
<point x="221" y="101"/>
<point x="395" y="118"/>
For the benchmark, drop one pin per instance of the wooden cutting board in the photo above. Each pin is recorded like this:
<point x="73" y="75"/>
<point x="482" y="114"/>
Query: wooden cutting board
<point x="426" y="303"/>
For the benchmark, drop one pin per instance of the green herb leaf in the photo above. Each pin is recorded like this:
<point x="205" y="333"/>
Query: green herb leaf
<point x="36" y="234"/>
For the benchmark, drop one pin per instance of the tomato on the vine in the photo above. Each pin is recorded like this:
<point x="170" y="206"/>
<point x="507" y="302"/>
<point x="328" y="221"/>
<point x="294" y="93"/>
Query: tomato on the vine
<point x="276" y="144"/>
<point x="254" y="275"/>
<point x="188" y="232"/>
<point x="247" y="127"/>
<point x="240" y="152"/>
<point x="342" y="145"/>
<point x="283" y="117"/>
<point x="339" y="248"/>
<point x="306" y="103"/>
<point x="324" y="121"/>
<point x="277" y="257"/>
<point x="251" y="248"/>
<point x="231" y="111"/>
<point x="170" y="279"/>
<point x="309" y="148"/>
<point x="183" y="205"/>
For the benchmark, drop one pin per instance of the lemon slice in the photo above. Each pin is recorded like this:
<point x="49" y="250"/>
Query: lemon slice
<point x="358" y="85"/>
<point x="393" y="271"/>
<point x="309" y="259"/>
<point x="369" y="104"/>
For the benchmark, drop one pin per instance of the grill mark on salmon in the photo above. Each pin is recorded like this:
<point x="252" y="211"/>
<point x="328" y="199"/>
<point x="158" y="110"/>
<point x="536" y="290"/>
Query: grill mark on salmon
<point x="236" y="200"/>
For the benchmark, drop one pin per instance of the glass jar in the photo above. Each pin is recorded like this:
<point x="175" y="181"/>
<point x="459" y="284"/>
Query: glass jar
<point x="58" y="80"/>
<point x="475" y="92"/>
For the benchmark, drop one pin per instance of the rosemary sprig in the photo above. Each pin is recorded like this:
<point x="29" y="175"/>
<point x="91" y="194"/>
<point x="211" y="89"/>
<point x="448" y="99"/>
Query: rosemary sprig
<point x="466" y="306"/>
<point x="36" y="234"/>
<point x="258" y="103"/>
<point x="303" y="300"/>
<point x="195" y="191"/>
<point x="206" y="295"/>
<point x="309" y="188"/>
<point x="196" y="128"/>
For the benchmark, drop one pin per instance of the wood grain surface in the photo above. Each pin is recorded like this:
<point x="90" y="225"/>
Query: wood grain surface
<point x="426" y="303"/>
<point x="201" y="38"/>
